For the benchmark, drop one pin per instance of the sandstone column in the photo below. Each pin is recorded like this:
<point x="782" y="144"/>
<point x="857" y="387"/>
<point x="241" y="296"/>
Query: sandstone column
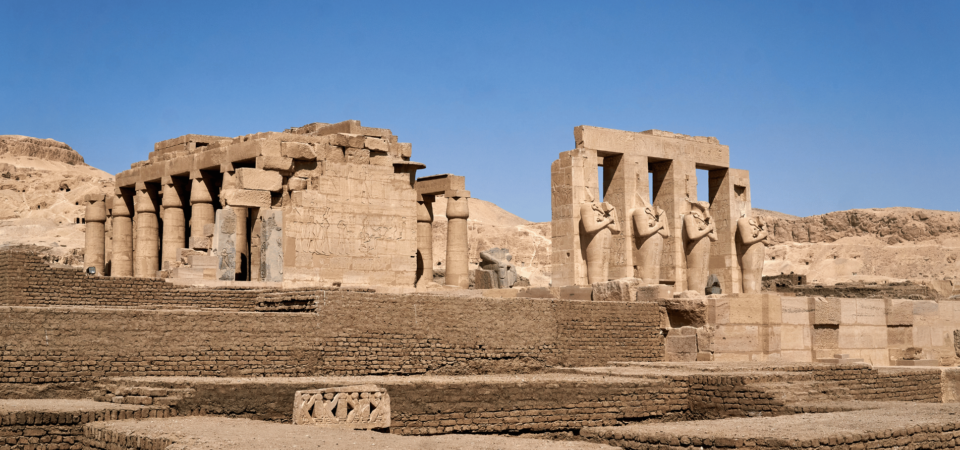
<point x="108" y="236"/>
<point x="148" y="232"/>
<point x="242" y="249"/>
<point x="174" y="222"/>
<point x="425" y="238"/>
<point x="122" y="260"/>
<point x="457" y="270"/>
<point x="201" y="210"/>
<point x="95" y="217"/>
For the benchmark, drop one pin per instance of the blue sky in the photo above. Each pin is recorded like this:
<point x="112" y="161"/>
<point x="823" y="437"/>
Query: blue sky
<point x="830" y="105"/>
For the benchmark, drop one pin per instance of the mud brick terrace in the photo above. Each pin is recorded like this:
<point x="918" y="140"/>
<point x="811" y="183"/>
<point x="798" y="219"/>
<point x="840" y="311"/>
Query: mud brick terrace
<point x="281" y="290"/>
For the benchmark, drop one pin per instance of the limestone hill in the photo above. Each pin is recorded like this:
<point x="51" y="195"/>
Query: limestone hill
<point x="42" y="184"/>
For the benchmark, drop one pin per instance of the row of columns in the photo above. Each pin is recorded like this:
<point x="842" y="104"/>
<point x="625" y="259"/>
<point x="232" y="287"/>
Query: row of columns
<point x="135" y="247"/>
<point x="457" y="270"/>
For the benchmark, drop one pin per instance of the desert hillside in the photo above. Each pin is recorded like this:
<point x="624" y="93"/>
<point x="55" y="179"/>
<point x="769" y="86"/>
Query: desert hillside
<point x="42" y="184"/>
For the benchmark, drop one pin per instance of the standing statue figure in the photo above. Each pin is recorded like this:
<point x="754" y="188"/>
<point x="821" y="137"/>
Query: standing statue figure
<point x="650" y="227"/>
<point x="696" y="226"/>
<point x="597" y="222"/>
<point x="497" y="261"/>
<point x="751" y="232"/>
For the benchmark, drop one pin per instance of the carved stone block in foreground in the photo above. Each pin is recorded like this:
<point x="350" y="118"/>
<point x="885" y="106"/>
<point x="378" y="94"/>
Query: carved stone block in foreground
<point x="350" y="407"/>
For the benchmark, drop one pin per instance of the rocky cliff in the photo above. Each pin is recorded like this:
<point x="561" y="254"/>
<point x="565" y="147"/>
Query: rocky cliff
<point x="46" y="149"/>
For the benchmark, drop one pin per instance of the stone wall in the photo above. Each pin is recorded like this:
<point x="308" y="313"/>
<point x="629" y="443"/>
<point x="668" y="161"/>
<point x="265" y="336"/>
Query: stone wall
<point x="42" y="429"/>
<point x="352" y="333"/>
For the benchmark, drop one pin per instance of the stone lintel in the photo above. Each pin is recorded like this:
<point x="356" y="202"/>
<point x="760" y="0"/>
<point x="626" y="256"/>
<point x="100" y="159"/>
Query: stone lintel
<point x="440" y="184"/>
<point x="706" y="153"/>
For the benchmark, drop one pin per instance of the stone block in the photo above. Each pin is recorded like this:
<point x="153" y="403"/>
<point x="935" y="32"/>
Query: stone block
<point x="271" y="245"/>
<point x="245" y="197"/>
<point x="705" y="339"/>
<point x="795" y="337"/>
<point x="349" y="140"/>
<point x="871" y="312"/>
<point x="737" y="339"/>
<point x="381" y="159"/>
<point x="200" y="243"/>
<point x="826" y="311"/>
<point x="654" y="293"/>
<point x="332" y="153"/>
<point x="201" y="261"/>
<point x="746" y="310"/>
<point x="378" y="144"/>
<point x="355" y="155"/>
<point x="187" y="273"/>
<point x="259" y="180"/>
<point x="298" y="150"/>
<point x="862" y="337"/>
<point x="485" y="279"/>
<point x="297" y="184"/>
<point x="331" y="407"/>
<point x="926" y="308"/>
<point x="400" y="150"/>
<point x="621" y="290"/>
<point x="899" y="312"/>
<point x="826" y="338"/>
<point x="277" y="163"/>
<point x="680" y="344"/>
<point x="796" y="310"/>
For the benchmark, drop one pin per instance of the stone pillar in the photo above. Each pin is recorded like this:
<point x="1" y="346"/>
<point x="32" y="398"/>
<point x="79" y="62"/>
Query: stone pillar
<point x="201" y="210"/>
<point x="270" y="229"/>
<point x="729" y="200"/>
<point x="224" y="244"/>
<point x="121" y="264"/>
<point x="242" y="251"/>
<point x="674" y="186"/>
<point x="108" y="237"/>
<point x="625" y="177"/>
<point x="174" y="221"/>
<point x="425" y="238"/>
<point x="457" y="272"/>
<point x="95" y="217"/>
<point x="256" y="228"/>
<point x="572" y="176"/>
<point x="148" y="232"/>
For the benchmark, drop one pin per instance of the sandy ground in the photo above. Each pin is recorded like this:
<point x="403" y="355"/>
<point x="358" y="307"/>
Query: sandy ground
<point x="878" y="418"/>
<point x="203" y="433"/>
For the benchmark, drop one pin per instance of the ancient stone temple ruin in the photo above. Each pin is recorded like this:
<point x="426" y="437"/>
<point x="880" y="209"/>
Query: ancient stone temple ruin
<point x="327" y="204"/>
<point x="672" y="253"/>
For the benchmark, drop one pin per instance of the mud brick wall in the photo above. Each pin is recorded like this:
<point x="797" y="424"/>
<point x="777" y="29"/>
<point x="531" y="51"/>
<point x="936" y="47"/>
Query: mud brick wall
<point x="95" y="437"/>
<point x="715" y="397"/>
<point x="865" y="383"/>
<point x="41" y="430"/>
<point x="352" y="333"/>
<point x="530" y="407"/>
<point x="30" y="281"/>
<point x="921" y="436"/>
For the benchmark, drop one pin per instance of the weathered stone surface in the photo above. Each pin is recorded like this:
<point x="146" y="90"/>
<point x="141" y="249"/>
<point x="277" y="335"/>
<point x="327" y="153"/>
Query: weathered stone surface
<point x="373" y="143"/>
<point x="259" y="180"/>
<point x="348" y="407"/>
<point x="826" y="311"/>
<point x="502" y="274"/>
<point x="298" y="150"/>
<point x="622" y="290"/>
<point x="297" y="184"/>
<point x="271" y="245"/>
<point x="357" y="155"/>
<point x="47" y="149"/>
<point x="225" y="244"/>
<point x="278" y="163"/>
<point x="899" y="312"/>
<point x="245" y="197"/>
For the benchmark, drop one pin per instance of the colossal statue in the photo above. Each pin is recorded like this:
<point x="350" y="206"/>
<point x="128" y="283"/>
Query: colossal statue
<point x="751" y="232"/>
<point x="650" y="228"/>
<point x="597" y="222"/>
<point x="696" y="226"/>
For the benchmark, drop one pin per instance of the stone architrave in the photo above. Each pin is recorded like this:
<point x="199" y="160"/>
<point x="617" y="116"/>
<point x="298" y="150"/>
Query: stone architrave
<point x="650" y="229"/>
<point x="699" y="231"/>
<point x="751" y="232"/>
<point x="225" y="244"/>
<point x="502" y="274"/>
<point x="598" y="221"/>
<point x="271" y="245"/>
<point x="361" y="407"/>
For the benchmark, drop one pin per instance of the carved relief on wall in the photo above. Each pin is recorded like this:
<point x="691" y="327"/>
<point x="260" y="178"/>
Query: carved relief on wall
<point x="349" y="407"/>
